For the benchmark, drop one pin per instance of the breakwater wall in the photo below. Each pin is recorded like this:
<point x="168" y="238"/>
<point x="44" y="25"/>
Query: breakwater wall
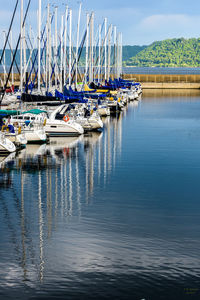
<point x="149" y="81"/>
<point x="166" y="81"/>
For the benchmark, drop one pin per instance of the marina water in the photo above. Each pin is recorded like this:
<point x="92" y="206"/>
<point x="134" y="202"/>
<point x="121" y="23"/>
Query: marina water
<point x="111" y="215"/>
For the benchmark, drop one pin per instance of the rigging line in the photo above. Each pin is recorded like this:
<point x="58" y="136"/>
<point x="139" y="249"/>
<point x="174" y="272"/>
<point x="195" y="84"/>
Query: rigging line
<point x="15" y="52"/>
<point x="44" y="40"/>
<point x="31" y="52"/>
<point x="80" y="51"/>
<point x="9" y="30"/>
<point x="15" y="59"/>
<point x="102" y="48"/>
<point x="33" y="60"/>
<point x="97" y="57"/>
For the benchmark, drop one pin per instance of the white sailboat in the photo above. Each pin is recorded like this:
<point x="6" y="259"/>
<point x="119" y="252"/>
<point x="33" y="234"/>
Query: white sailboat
<point x="32" y="124"/>
<point x="6" y="146"/>
<point x="59" y="125"/>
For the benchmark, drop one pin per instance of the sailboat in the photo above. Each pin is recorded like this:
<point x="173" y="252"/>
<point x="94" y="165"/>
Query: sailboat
<point x="58" y="124"/>
<point x="6" y="146"/>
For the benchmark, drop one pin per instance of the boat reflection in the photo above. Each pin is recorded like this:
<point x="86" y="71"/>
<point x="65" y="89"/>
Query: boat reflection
<point x="52" y="183"/>
<point x="5" y="175"/>
<point x="173" y="94"/>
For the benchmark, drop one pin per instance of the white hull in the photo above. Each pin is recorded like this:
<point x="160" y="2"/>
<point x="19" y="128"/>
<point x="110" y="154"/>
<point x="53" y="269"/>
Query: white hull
<point x="6" y="146"/>
<point x="19" y="139"/>
<point x="104" y="111"/>
<point x="90" y="123"/>
<point x="35" y="136"/>
<point x="62" y="128"/>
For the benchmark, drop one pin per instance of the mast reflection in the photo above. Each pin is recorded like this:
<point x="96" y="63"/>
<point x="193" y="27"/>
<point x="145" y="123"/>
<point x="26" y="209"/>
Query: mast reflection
<point x="40" y="226"/>
<point x="23" y="233"/>
<point x="61" y="178"/>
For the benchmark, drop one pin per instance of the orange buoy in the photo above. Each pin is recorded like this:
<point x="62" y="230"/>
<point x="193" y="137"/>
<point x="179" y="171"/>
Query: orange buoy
<point x="66" y="118"/>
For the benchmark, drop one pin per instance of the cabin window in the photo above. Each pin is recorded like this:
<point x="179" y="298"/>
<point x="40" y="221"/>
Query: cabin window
<point x="26" y="118"/>
<point x="53" y="126"/>
<point x="20" y="118"/>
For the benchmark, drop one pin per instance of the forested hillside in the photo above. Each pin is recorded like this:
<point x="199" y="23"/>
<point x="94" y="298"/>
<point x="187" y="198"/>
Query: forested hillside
<point x="128" y="52"/>
<point x="168" y="53"/>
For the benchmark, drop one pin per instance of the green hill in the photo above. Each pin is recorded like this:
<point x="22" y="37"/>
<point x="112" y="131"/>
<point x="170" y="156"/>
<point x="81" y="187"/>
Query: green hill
<point x="168" y="53"/>
<point x="128" y="52"/>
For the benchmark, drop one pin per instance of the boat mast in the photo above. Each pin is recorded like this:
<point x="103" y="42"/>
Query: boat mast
<point x="114" y="63"/>
<point x="105" y="45"/>
<point x="39" y="43"/>
<point x="4" y="59"/>
<point x="121" y="54"/>
<point x="54" y="51"/>
<point x="50" y="53"/>
<point x="47" y="48"/>
<point x="46" y="58"/>
<point x="65" y="44"/>
<point x="91" y="48"/>
<point x="4" y="64"/>
<point x="56" y="47"/>
<point x="109" y="49"/>
<point x="118" y="56"/>
<point x="92" y="52"/>
<point x="11" y="44"/>
<point x="24" y="49"/>
<point x="21" y="49"/>
<point x="77" y="43"/>
<point x="90" y="59"/>
<point x="30" y="37"/>
<point x="87" y="45"/>
<point x="61" y="54"/>
<point x="99" y="60"/>
<point x="70" y="45"/>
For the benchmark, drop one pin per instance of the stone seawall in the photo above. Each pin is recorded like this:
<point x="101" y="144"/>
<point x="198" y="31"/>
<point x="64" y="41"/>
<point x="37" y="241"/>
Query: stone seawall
<point x="152" y="81"/>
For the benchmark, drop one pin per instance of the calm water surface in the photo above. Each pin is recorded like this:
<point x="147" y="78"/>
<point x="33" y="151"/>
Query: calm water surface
<point x="111" y="215"/>
<point x="161" y="70"/>
<point x="141" y="70"/>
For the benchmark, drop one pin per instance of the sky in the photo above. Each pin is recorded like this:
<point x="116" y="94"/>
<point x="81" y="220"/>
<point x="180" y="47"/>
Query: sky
<point x="141" y="22"/>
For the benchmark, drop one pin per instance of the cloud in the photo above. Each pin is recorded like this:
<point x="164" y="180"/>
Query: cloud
<point x="163" y="26"/>
<point x="172" y="21"/>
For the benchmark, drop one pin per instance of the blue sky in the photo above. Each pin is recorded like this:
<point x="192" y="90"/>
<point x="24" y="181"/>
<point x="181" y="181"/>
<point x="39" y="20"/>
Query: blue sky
<point x="141" y="22"/>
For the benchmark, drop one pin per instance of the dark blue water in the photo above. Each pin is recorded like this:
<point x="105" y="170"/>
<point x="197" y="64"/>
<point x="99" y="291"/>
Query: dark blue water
<point x="161" y="70"/>
<point x="142" y="70"/>
<point x="112" y="215"/>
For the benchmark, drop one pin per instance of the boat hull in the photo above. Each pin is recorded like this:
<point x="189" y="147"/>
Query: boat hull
<point x="6" y="146"/>
<point x="90" y="123"/>
<point x="36" y="136"/>
<point x="61" y="128"/>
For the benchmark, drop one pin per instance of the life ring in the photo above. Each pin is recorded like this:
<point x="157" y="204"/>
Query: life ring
<point x="66" y="118"/>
